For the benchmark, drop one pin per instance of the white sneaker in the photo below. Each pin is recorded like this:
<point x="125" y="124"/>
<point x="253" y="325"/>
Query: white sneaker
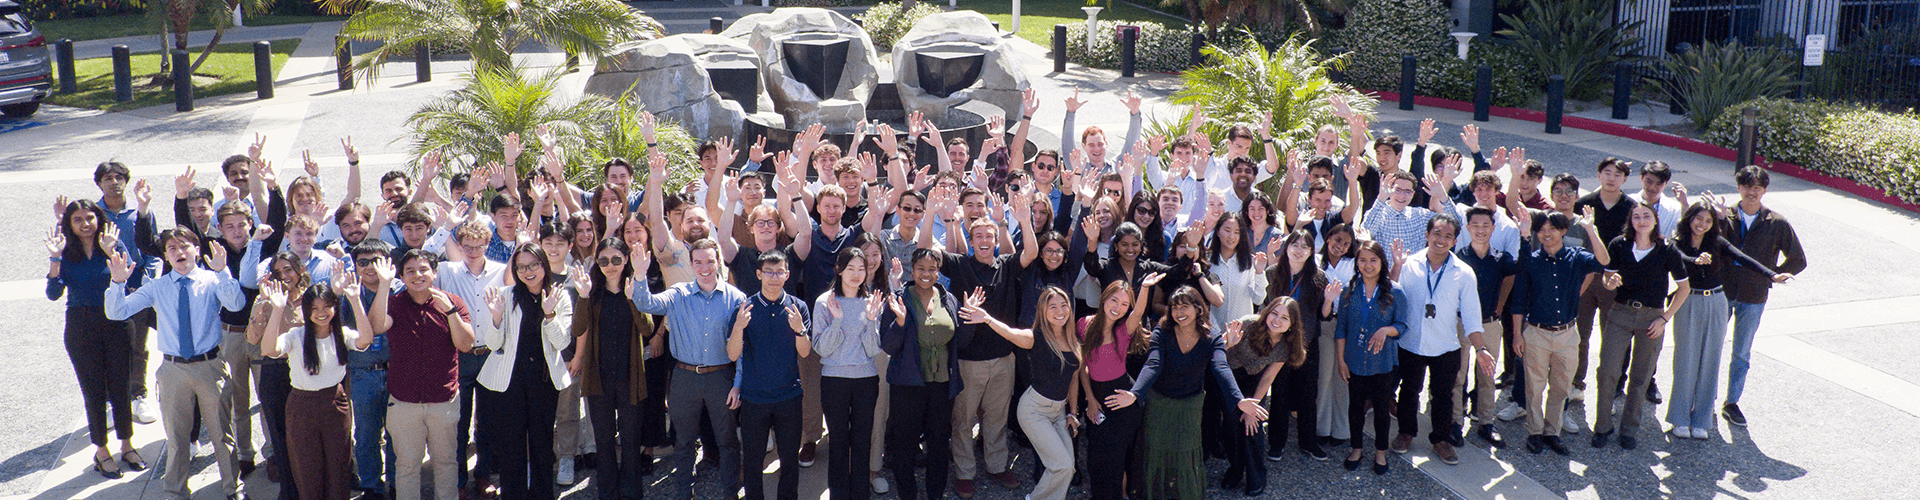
<point x="143" y="412"/>
<point x="1682" y="432"/>
<point x="1568" y="423"/>
<point x="1702" y="433"/>
<point x="1510" y="411"/>
<point x="1578" y="394"/>
<point x="880" y="486"/>
<point x="565" y="477"/>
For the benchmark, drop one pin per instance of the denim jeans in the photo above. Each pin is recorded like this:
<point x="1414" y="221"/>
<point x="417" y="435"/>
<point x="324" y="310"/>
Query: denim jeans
<point x="370" y="430"/>
<point x="1746" y="322"/>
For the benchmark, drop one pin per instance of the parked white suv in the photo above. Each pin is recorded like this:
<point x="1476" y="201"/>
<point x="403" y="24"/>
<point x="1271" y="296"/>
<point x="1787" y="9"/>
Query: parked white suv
<point x="26" y="66"/>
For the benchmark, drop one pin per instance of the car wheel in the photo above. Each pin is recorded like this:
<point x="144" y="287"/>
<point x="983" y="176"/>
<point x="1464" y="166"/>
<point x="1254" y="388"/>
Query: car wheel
<point x="21" y="110"/>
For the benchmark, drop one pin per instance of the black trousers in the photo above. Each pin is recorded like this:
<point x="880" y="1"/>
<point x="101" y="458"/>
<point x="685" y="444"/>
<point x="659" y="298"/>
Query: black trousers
<point x="617" y="432"/>
<point x="782" y="419"/>
<point x="848" y="405"/>
<point x="1213" y="418"/>
<point x="1438" y="373"/>
<point x="521" y="421"/>
<point x="275" y="383"/>
<point x="1295" y="392"/>
<point x="99" y="349"/>
<point x="1246" y="453"/>
<point x="469" y="419"/>
<point x="653" y="409"/>
<point x="1374" y="391"/>
<point x="1113" y="445"/>
<point x="920" y="417"/>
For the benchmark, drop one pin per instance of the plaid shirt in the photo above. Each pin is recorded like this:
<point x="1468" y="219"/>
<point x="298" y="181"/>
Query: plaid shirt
<point x="1409" y="226"/>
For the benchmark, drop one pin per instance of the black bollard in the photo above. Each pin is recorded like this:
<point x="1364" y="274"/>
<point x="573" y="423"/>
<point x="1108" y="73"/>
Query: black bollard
<point x="1194" y="57"/>
<point x="1556" y="102"/>
<point x="1059" y="48"/>
<point x="1749" y="130"/>
<point x="1407" y="67"/>
<point x="1482" y="92"/>
<point x="423" y="62"/>
<point x="1622" y="89"/>
<point x="122" y="74"/>
<point x="1129" y="37"/>
<point x="263" y="69"/>
<point x="343" y="57"/>
<point x="182" y="82"/>
<point x="996" y="26"/>
<point x="63" y="51"/>
<point x="715" y="25"/>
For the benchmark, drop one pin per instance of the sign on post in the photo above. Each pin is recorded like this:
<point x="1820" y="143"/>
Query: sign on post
<point x="1816" y="50"/>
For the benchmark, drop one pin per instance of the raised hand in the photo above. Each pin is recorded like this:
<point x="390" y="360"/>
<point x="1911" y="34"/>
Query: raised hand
<point x="274" y="293"/>
<point x="348" y="285"/>
<point x="353" y="154"/>
<point x="254" y="150"/>
<point x="56" y="242"/>
<point x="306" y="160"/>
<point x="1233" y="334"/>
<point x="430" y="168"/>
<point x="496" y="302"/>
<point x="581" y="281"/>
<point x="1499" y="157"/>
<point x="874" y="306"/>
<point x="1132" y="101"/>
<point x="1427" y="130"/>
<point x="894" y="272"/>
<point x="743" y="315"/>
<point x="758" y="153"/>
<point x="833" y="308"/>
<point x="1436" y="183"/>
<point x="217" y="258"/>
<point x="551" y="302"/>
<point x="108" y="236"/>
<point x="1074" y="102"/>
<point x="647" y="125"/>
<point x="1333" y="289"/>
<point x="142" y="195"/>
<point x="1261" y="261"/>
<point x="1029" y="104"/>
<point x="1470" y="135"/>
<point x="898" y="307"/>
<point x="1266" y="125"/>
<point x="795" y="320"/>
<point x="1340" y="107"/>
<point x="916" y="125"/>
<point x="1152" y="279"/>
<point x="118" y="268"/>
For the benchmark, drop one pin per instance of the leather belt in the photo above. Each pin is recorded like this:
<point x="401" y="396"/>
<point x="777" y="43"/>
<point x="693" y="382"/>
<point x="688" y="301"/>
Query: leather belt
<point x="1708" y="292"/>
<point x="1635" y="304"/>
<point x="1553" y="328"/>
<point x="211" y="354"/>
<point x="233" y="328"/>
<point x="703" y="369"/>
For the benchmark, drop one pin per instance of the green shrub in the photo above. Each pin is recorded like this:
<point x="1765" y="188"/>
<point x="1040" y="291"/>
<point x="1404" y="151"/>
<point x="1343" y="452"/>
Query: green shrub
<point x="1159" y="48"/>
<point x="1714" y="77"/>
<point x="1515" y="83"/>
<point x="886" y="23"/>
<point x="1380" y="32"/>
<point x="1861" y="144"/>
<point x="1577" y="39"/>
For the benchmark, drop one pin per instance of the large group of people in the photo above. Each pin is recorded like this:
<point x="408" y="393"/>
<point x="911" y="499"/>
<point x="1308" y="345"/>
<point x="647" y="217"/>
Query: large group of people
<point x="1127" y="314"/>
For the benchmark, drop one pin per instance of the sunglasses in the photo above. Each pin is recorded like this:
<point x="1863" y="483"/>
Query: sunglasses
<point x="611" y="261"/>
<point x="365" y="262"/>
<point x="913" y="210"/>
<point x="1045" y="166"/>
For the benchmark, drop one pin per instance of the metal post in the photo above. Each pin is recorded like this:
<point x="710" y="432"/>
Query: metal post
<point x="1622" y="89"/>
<point x="1482" y="92"/>
<point x="1556" y="102"/>
<point x="423" y="62"/>
<point x="1407" y="67"/>
<point x="263" y="69"/>
<point x="1194" y="57"/>
<point x="1749" y="128"/>
<point x="1129" y="37"/>
<point x="122" y="74"/>
<point x="343" y="57"/>
<point x="1059" y="48"/>
<point x="182" y="82"/>
<point x="63" y="52"/>
<point x="715" y="25"/>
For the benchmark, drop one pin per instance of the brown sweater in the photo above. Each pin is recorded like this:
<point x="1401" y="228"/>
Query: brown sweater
<point x="1768" y="240"/>
<point x="586" y="332"/>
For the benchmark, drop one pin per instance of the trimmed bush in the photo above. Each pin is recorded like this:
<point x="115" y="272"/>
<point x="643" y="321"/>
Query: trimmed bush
<point x="1515" y="83"/>
<point x="886" y="23"/>
<point x="1861" y="144"/>
<point x="1159" y="48"/>
<point x="1380" y="32"/>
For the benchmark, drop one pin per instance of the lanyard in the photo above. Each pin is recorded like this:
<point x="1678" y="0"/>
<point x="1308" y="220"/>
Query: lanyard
<point x="1434" y="280"/>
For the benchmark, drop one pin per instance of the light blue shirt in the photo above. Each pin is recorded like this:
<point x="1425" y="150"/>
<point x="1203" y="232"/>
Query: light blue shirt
<point x="1455" y="296"/>
<point x="127" y="219"/>
<point x="209" y="292"/>
<point x="697" y="321"/>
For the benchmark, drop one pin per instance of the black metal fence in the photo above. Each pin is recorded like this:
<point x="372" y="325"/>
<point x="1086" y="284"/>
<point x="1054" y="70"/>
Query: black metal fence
<point x="1873" y="46"/>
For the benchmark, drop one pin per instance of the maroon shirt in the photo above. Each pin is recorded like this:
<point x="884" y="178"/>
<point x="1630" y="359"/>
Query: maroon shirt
<point x="425" y="367"/>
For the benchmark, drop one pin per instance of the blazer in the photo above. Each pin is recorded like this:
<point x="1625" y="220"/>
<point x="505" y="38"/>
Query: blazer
<point x="497" y="371"/>
<point x="902" y="342"/>
<point x="1767" y="241"/>
<point x="586" y="332"/>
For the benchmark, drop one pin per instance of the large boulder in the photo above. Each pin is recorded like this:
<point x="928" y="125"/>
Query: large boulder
<point x="667" y="77"/>
<point x="845" y="106"/>
<point x="1001" y="81"/>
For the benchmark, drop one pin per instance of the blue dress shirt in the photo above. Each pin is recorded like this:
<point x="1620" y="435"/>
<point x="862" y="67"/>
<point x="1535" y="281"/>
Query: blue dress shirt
<point x="697" y="321"/>
<point x="1360" y="317"/>
<point x="209" y="292"/>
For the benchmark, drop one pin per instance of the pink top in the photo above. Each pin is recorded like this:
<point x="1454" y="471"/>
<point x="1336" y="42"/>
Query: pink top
<point x="1109" y="361"/>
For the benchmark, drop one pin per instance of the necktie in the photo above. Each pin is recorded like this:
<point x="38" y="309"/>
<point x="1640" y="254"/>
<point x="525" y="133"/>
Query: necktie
<point x="184" y="331"/>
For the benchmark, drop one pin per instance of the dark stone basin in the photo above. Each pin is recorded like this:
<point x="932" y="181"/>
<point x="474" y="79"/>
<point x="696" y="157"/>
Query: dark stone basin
<point x="966" y="121"/>
<point x="737" y="81"/>
<point x="943" y="73"/>
<point x="817" y="63"/>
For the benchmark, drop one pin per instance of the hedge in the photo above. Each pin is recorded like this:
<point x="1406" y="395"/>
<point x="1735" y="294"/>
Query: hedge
<point x="1159" y="48"/>
<point x="886" y="23"/>
<point x="1865" y="145"/>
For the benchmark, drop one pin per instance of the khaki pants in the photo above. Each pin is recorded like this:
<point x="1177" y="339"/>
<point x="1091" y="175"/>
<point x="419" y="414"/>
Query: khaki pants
<point x="1045" y="422"/>
<point x="185" y="387"/>
<point x="572" y="432"/>
<point x="1550" y="363"/>
<point x="987" y="386"/>
<point x="1626" y="329"/>
<point x="239" y="356"/>
<point x="1483" y="401"/>
<point x="1330" y="405"/>
<point x="420" y="431"/>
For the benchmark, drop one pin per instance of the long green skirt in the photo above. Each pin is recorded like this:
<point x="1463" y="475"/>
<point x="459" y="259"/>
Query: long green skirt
<point x="1174" y="454"/>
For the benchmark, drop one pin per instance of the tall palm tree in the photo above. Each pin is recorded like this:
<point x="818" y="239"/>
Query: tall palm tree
<point x="491" y="30"/>
<point x="178" y="17"/>
<point x="1240" y="83"/>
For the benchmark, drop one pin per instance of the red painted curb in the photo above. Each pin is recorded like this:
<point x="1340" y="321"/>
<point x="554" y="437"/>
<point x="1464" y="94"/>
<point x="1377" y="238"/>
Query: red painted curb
<point x="1664" y="139"/>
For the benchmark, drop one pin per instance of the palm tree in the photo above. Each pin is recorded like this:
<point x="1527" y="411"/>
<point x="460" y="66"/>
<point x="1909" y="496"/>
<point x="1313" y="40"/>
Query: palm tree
<point x="491" y="30"/>
<point x="1243" y="82"/>
<point x="178" y="17"/>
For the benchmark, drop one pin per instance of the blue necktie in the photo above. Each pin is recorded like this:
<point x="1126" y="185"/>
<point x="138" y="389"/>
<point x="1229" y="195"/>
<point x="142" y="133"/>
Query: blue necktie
<point x="184" y="330"/>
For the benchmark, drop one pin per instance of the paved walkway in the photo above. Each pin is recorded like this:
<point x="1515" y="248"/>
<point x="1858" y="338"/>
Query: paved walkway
<point x="1832" y="386"/>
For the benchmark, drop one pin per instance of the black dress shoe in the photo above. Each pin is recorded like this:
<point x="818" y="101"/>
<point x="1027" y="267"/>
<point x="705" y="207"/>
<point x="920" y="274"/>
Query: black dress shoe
<point x="1352" y="465"/>
<point x="134" y="461"/>
<point x="1553" y="443"/>
<point x="1255" y="491"/>
<point x="1316" y="452"/>
<point x="1331" y="442"/>
<point x="1600" y="439"/>
<point x="1232" y="481"/>
<point x="1380" y="468"/>
<point x="1535" y="444"/>
<point x="1653" y="392"/>
<point x="1491" y="436"/>
<point x="1628" y="442"/>
<point x="246" y="467"/>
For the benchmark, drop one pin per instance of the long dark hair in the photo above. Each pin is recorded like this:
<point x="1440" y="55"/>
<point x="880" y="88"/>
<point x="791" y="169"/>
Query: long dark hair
<point x="1683" y="231"/>
<point x="840" y="268"/>
<point x="1189" y="295"/>
<point x="1260" y="197"/>
<point x="601" y="220"/>
<point x="599" y="274"/>
<point x="1294" y="339"/>
<point x="300" y="277"/>
<point x="1283" y="276"/>
<point x="1653" y="235"/>
<point x="527" y="298"/>
<point x="74" y="251"/>
<point x="310" y="347"/>
<point x="1327" y="258"/>
<point x="1386" y="299"/>
<point x="1242" y="246"/>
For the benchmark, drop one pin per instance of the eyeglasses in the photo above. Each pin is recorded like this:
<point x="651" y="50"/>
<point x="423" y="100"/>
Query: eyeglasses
<point x="611" y="261"/>
<point x="774" y="273"/>
<point x="529" y="267"/>
<point x="1564" y="192"/>
<point x="365" y="262"/>
<point x="1402" y="191"/>
<point x="913" y="210"/>
<point x="766" y="223"/>
<point x="1055" y="251"/>
<point x="1045" y="166"/>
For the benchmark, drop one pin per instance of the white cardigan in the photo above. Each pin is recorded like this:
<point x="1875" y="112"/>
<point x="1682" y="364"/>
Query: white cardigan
<point x="497" y="373"/>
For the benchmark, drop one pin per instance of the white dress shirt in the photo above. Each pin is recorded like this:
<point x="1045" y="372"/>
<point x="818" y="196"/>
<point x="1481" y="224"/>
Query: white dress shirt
<point x="456" y="279"/>
<point x="1455" y="298"/>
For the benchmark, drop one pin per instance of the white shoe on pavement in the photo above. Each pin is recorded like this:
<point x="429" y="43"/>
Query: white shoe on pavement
<point x="1578" y="394"/>
<point x="1510" y="411"/>
<point x="1568" y="423"/>
<point x="143" y="412"/>
<point x="880" y="486"/>
<point x="1619" y="404"/>
<point x="565" y="477"/>
<point x="1682" y="432"/>
<point x="1702" y="433"/>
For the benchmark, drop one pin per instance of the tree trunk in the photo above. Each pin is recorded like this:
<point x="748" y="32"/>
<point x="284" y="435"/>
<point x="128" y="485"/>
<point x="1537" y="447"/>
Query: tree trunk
<point x="217" y="34"/>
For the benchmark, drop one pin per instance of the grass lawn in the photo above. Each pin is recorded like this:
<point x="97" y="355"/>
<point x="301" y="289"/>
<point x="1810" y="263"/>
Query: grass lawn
<point x="1037" y="17"/>
<point x="95" y="28"/>
<point x="228" y="71"/>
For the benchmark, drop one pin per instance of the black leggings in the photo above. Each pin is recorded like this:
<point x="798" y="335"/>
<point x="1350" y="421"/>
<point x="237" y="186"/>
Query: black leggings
<point x="1113" y="445"/>
<point x="273" y="387"/>
<point x="1246" y="453"/>
<point x="921" y="417"/>
<point x="99" y="348"/>
<point x="1375" y="391"/>
<point x="848" y="405"/>
<point x="1296" y="391"/>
